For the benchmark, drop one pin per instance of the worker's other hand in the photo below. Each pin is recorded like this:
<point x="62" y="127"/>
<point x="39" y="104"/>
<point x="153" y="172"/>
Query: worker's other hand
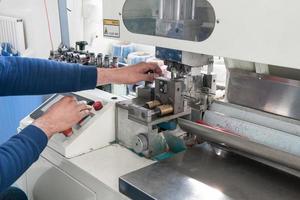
<point x="129" y="75"/>
<point x="62" y="115"/>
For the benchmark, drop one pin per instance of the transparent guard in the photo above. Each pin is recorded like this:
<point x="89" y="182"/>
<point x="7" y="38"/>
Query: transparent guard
<point x="192" y="20"/>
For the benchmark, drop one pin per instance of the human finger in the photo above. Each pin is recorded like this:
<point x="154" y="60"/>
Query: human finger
<point x="150" y="77"/>
<point x="150" y="67"/>
<point x="84" y="113"/>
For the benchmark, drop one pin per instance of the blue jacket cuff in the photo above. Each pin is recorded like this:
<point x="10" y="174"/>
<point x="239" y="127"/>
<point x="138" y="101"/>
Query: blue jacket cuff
<point x="37" y="136"/>
<point x="88" y="77"/>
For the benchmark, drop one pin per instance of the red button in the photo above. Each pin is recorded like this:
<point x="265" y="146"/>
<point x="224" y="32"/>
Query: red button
<point x="68" y="132"/>
<point x="98" y="105"/>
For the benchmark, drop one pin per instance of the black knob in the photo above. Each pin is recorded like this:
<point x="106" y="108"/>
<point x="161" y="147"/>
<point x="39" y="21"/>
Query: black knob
<point x="81" y="45"/>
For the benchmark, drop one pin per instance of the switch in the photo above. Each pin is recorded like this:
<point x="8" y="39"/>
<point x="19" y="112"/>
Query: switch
<point x="98" y="105"/>
<point x="68" y="132"/>
<point x="90" y="103"/>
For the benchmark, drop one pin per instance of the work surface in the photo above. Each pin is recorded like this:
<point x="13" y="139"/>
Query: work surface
<point x="200" y="174"/>
<point x="99" y="171"/>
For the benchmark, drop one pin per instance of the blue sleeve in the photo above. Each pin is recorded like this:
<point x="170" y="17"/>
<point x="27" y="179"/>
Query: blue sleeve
<point x="28" y="76"/>
<point x="18" y="153"/>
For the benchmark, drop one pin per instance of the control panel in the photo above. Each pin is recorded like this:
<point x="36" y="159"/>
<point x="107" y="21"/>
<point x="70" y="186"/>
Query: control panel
<point x="95" y="131"/>
<point x="96" y="106"/>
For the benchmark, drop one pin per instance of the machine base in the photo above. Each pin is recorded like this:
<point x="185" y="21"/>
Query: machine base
<point x="199" y="173"/>
<point x="92" y="176"/>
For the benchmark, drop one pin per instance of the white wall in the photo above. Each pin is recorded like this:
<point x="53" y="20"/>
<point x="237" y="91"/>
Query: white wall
<point x="35" y="22"/>
<point x="93" y="23"/>
<point x="85" y="23"/>
<point x="76" y="22"/>
<point x="93" y="29"/>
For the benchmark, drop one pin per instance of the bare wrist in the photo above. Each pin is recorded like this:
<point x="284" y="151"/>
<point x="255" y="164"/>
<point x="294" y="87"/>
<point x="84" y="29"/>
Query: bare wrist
<point x="47" y="128"/>
<point x="107" y="76"/>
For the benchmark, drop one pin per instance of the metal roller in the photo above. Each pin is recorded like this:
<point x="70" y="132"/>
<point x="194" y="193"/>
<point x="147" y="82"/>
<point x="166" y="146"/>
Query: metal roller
<point x="152" y="104"/>
<point x="241" y="144"/>
<point x="165" y="110"/>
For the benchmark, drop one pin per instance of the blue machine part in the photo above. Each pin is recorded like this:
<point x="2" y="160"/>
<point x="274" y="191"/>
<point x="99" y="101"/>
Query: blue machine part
<point x="8" y="50"/>
<point x="164" y="156"/>
<point x="64" y="22"/>
<point x="175" y="144"/>
<point x="122" y="51"/>
<point x="168" y="54"/>
<point x="171" y="125"/>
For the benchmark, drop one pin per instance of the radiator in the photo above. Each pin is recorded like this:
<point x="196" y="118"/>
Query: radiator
<point x="12" y="31"/>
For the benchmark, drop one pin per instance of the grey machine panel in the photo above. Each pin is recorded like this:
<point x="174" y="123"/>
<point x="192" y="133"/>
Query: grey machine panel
<point x="199" y="173"/>
<point x="268" y="93"/>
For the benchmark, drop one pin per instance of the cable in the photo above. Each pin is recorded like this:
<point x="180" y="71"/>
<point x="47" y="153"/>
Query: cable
<point x="48" y="21"/>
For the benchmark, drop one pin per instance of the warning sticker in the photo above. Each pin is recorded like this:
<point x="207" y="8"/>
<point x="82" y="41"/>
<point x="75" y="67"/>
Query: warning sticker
<point x="111" y="28"/>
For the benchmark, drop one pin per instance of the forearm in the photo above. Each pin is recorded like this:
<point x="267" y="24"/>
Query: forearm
<point x="107" y="76"/>
<point x="26" y="76"/>
<point x="18" y="153"/>
<point x="129" y="75"/>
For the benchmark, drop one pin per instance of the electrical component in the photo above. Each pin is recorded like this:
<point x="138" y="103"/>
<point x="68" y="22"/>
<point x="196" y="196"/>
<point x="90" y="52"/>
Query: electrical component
<point x="98" y="105"/>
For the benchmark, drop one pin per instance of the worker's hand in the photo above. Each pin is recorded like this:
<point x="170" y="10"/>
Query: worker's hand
<point x="129" y="75"/>
<point x="62" y="115"/>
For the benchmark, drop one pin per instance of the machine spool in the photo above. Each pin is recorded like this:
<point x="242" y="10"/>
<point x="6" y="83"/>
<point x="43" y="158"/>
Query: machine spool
<point x="99" y="60"/>
<point x="115" y="62"/>
<point x="152" y="104"/>
<point x="165" y="110"/>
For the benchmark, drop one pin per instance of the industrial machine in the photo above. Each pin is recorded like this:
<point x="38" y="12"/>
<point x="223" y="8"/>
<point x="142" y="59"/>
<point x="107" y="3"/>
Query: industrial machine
<point x="245" y="138"/>
<point x="143" y="122"/>
<point x="86" y="164"/>
<point x="177" y="139"/>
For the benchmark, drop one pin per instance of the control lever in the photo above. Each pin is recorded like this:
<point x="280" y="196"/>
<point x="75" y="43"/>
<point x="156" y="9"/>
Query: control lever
<point x="68" y="132"/>
<point x="96" y="105"/>
<point x="80" y="45"/>
<point x="149" y="83"/>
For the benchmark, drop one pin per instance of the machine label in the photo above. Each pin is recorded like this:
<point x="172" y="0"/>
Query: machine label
<point x="111" y="28"/>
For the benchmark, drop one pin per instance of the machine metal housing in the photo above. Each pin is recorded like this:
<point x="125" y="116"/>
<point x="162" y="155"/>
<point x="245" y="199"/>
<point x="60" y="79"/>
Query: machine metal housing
<point x="137" y="126"/>
<point x="264" y="37"/>
<point x="170" y="92"/>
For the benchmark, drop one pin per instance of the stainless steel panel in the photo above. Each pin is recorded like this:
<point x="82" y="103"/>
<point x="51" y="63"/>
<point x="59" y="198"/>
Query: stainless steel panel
<point x="199" y="174"/>
<point x="264" y="92"/>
